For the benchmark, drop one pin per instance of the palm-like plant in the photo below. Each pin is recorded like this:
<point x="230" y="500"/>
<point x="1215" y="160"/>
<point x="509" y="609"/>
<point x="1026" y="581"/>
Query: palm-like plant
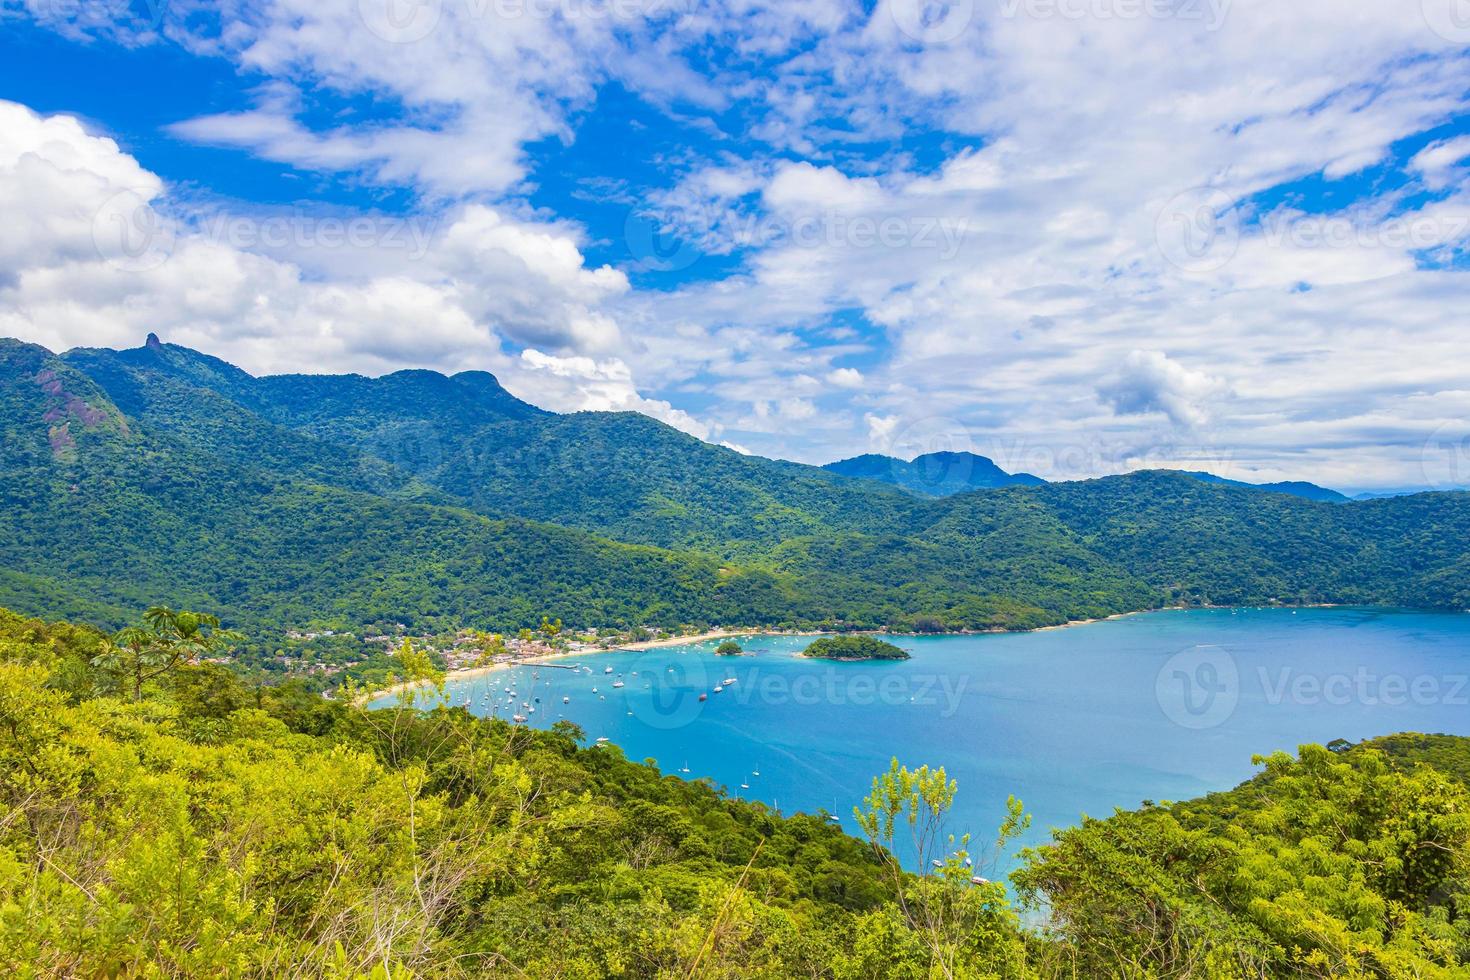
<point x="166" y="639"/>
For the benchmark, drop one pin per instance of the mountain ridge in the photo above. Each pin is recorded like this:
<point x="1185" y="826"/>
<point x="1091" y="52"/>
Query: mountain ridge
<point x="464" y="507"/>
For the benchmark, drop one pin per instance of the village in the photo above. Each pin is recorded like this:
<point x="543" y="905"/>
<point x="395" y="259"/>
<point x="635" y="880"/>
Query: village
<point x="328" y="656"/>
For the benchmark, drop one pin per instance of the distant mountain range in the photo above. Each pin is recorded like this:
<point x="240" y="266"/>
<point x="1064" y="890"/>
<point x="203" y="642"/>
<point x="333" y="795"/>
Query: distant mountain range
<point x="1307" y="491"/>
<point x="934" y="474"/>
<point x="946" y="473"/>
<point x="160" y="473"/>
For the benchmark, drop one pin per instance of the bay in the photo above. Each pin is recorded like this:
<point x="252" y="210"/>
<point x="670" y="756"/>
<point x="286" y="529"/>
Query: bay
<point x="1158" y="706"/>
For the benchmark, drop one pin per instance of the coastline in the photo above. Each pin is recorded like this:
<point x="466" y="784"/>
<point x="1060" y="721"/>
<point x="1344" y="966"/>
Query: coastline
<point x="469" y="673"/>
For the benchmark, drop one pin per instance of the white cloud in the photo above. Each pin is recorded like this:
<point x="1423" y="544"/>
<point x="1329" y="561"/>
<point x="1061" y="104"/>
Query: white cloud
<point x="600" y="386"/>
<point x="1041" y="261"/>
<point x="1148" y="381"/>
<point x="82" y="266"/>
<point x="1440" y="163"/>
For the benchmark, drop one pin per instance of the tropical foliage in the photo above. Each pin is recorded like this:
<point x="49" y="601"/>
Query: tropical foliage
<point x="213" y="829"/>
<point x="853" y="648"/>
<point x="161" y="473"/>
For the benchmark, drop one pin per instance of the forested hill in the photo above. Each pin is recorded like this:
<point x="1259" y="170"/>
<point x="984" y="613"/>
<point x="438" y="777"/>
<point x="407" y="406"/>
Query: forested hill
<point x="191" y="826"/>
<point x="939" y="474"/>
<point x="161" y="473"/>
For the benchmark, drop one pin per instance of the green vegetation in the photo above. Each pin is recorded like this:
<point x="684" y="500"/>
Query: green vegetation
<point x="853" y="648"/>
<point x="313" y="503"/>
<point x="729" y="648"/>
<point x="208" y="828"/>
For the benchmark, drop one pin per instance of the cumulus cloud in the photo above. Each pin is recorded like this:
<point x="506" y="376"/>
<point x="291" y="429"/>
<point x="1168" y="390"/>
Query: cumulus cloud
<point x="1441" y="162"/>
<point x="94" y="252"/>
<point x="1098" y="256"/>
<point x="602" y="386"/>
<point x="1148" y="381"/>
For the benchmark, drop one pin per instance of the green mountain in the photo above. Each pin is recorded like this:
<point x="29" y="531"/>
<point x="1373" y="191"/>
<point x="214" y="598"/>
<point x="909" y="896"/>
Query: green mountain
<point x="933" y="474"/>
<point x="945" y="474"/>
<point x="163" y="473"/>
<point x="1297" y="488"/>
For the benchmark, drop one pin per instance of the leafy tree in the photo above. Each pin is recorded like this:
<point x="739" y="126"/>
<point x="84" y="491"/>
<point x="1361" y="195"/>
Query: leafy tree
<point x="164" y="640"/>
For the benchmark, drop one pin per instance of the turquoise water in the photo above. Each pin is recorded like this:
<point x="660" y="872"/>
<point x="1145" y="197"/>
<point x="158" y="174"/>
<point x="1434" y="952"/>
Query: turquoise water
<point x="1161" y="706"/>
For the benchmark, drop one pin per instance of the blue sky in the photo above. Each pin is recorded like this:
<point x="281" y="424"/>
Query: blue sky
<point x="1079" y="236"/>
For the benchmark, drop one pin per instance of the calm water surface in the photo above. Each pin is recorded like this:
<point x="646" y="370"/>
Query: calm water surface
<point x="1161" y="706"/>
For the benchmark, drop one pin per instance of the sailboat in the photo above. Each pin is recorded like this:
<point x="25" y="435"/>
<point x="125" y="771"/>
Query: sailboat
<point x="686" y="766"/>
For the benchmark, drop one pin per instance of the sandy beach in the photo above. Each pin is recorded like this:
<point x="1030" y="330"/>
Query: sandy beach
<point x="470" y="673"/>
<point x="679" y="641"/>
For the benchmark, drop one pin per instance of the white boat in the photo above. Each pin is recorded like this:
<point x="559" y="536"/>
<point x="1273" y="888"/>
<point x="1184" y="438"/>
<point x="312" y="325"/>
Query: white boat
<point x="728" y="681"/>
<point x="686" y="766"/>
<point x="566" y="700"/>
<point x="607" y="670"/>
<point x="745" y="786"/>
<point x="617" y="684"/>
<point x="718" y="689"/>
<point x="602" y="740"/>
<point x="517" y="718"/>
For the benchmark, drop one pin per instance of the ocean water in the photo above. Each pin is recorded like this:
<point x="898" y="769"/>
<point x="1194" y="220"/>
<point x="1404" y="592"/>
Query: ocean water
<point x="1158" y="706"/>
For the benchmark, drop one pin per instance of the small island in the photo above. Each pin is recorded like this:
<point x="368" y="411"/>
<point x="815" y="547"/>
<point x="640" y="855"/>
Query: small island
<point x="729" y="648"/>
<point x="853" y="648"/>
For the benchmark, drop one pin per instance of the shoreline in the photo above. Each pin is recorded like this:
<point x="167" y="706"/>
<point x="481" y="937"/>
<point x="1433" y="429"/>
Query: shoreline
<point x="470" y="673"/>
